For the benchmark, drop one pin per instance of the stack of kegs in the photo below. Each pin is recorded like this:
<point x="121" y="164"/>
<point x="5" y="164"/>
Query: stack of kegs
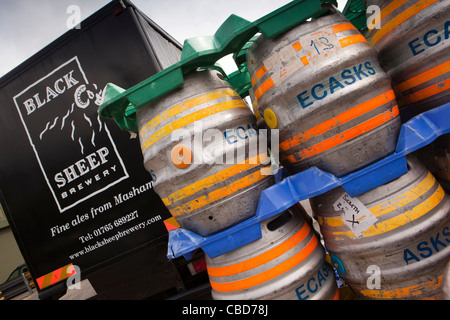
<point x="326" y="91"/>
<point x="201" y="144"/>
<point x="392" y="241"/>
<point x="287" y="263"/>
<point x="412" y="39"/>
<point x="322" y="86"/>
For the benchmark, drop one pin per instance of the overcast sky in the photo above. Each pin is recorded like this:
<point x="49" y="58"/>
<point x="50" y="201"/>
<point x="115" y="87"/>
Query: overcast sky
<point x="26" y="26"/>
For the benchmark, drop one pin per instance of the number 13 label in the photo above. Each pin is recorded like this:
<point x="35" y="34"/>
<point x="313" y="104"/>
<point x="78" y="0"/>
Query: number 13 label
<point x="320" y="45"/>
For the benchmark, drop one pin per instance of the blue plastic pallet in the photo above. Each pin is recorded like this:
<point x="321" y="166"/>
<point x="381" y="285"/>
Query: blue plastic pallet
<point x="414" y="134"/>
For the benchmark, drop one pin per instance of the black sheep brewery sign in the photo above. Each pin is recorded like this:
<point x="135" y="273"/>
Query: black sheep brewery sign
<point x="74" y="148"/>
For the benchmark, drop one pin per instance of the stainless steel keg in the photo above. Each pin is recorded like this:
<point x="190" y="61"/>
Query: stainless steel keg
<point x="412" y="39"/>
<point x="321" y="85"/>
<point x="393" y="241"/>
<point x="446" y="284"/>
<point x="287" y="263"/>
<point x="200" y="144"/>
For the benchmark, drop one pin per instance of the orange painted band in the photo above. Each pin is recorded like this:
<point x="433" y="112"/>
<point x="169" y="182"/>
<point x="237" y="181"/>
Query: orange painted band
<point x="268" y="274"/>
<point x="400" y="18"/>
<point x="266" y="85"/>
<point x="263" y="257"/>
<point x="427" y="92"/>
<point x="261" y="72"/>
<point x="346" y="135"/>
<point x="423" y="77"/>
<point x="388" y="10"/>
<point x="347" y="41"/>
<point x="338" y="120"/>
<point x="343" y="27"/>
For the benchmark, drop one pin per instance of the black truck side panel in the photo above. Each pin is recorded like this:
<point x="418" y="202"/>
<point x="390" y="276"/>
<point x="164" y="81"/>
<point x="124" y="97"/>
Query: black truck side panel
<point x="73" y="185"/>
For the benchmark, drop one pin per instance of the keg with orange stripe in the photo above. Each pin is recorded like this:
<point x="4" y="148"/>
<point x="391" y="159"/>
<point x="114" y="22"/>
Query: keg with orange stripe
<point x="287" y="263"/>
<point x="321" y="85"/>
<point x="412" y="39"/>
<point x="200" y="143"/>
<point x="393" y="241"/>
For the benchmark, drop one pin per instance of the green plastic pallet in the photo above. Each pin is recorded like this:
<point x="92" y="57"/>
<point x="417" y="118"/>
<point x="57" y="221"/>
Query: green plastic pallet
<point x="231" y="37"/>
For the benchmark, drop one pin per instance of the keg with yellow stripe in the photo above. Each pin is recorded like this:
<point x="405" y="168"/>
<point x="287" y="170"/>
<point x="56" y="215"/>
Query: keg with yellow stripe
<point x="393" y="241"/>
<point x="287" y="263"/>
<point x="412" y="39"/>
<point x="320" y="84"/>
<point x="200" y="143"/>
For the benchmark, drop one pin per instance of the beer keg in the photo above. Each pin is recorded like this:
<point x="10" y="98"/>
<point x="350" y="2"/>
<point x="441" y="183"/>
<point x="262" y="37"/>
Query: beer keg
<point x="287" y="263"/>
<point x="393" y="241"/>
<point x="200" y="144"/>
<point x="320" y="85"/>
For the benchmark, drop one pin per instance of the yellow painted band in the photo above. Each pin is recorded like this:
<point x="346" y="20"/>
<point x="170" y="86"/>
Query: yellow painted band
<point x="186" y="105"/>
<point x="405" y="198"/>
<point x="404" y="292"/>
<point x="190" y="118"/>
<point x="391" y="204"/>
<point x="215" y="178"/>
<point x="219" y="193"/>
<point x="402" y="219"/>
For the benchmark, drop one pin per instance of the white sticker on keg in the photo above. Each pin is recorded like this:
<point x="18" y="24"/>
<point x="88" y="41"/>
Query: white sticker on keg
<point x="354" y="214"/>
<point x="283" y="62"/>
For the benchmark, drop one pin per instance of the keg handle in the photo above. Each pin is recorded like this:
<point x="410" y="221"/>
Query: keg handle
<point x="121" y="105"/>
<point x="199" y="52"/>
<point x="117" y="107"/>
